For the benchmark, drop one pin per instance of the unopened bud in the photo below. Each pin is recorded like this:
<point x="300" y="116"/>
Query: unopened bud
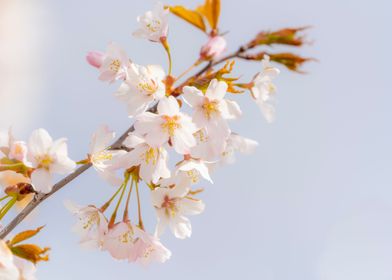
<point x="20" y="190"/>
<point x="214" y="47"/>
<point x="95" y="58"/>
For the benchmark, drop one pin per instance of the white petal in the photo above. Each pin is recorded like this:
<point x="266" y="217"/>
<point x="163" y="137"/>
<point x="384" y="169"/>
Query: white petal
<point x="216" y="90"/>
<point x="42" y="180"/>
<point x="168" y="106"/>
<point x="40" y="142"/>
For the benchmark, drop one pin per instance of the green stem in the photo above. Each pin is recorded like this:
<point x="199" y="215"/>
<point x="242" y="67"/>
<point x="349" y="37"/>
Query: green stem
<point x="126" y="216"/>
<point x="107" y="204"/>
<point x="5" y="197"/>
<point x="166" y="46"/>
<point x="124" y="186"/>
<point x="4" y="210"/>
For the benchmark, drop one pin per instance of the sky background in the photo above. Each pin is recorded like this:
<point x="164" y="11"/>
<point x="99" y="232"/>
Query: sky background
<point x="314" y="202"/>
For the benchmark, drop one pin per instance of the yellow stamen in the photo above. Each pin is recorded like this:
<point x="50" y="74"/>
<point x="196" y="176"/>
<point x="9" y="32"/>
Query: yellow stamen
<point x="210" y="107"/>
<point x="171" y="124"/>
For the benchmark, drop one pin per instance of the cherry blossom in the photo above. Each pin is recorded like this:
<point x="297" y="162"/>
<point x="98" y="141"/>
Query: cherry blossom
<point x="172" y="204"/>
<point x="125" y="241"/>
<point x="263" y="89"/>
<point x="92" y="225"/>
<point x="152" y="250"/>
<point x="102" y="157"/>
<point x="152" y="161"/>
<point x="168" y="124"/>
<point x="47" y="157"/>
<point x="12" y="148"/>
<point x="143" y="86"/>
<point x="112" y="65"/>
<point x="153" y="24"/>
<point x="189" y="171"/>
<point x="235" y="143"/>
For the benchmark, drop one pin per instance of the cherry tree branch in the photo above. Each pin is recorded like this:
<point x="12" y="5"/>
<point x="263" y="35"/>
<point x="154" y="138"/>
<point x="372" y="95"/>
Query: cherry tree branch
<point x="118" y="144"/>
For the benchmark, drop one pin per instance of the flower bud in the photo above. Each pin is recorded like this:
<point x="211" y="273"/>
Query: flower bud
<point x="95" y="58"/>
<point x="214" y="47"/>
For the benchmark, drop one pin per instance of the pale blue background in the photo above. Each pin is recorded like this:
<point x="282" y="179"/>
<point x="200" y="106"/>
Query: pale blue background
<point x="313" y="203"/>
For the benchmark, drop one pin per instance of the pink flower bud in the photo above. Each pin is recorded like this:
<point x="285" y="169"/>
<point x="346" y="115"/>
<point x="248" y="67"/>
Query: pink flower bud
<point x="214" y="47"/>
<point x="95" y="58"/>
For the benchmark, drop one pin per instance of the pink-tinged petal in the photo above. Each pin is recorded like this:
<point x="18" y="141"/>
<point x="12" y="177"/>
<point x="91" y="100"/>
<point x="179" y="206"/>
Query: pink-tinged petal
<point x="216" y="90"/>
<point x="168" y="106"/>
<point x="42" y="180"/>
<point x="95" y="58"/>
<point x="214" y="47"/>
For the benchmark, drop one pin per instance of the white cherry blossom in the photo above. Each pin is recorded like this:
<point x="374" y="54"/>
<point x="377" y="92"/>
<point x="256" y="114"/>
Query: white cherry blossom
<point x="168" y="124"/>
<point x="211" y="110"/>
<point x="190" y="171"/>
<point x="263" y="89"/>
<point x="143" y="85"/>
<point x="102" y="157"/>
<point x="152" y="161"/>
<point x="153" y="24"/>
<point x="92" y="225"/>
<point x="47" y="157"/>
<point x="172" y="204"/>
<point x="112" y="65"/>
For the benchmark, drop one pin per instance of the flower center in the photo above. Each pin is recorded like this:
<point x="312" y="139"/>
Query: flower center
<point x="169" y="204"/>
<point x="210" y="108"/>
<point x="45" y="161"/>
<point x="149" y="86"/>
<point x="154" y="25"/>
<point x="89" y="221"/>
<point x="170" y="124"/>
<point x="150" y="156"/>
<point x="127" y="237"/>
<point x="115" y="65"/>
<point x="102" y="156"/>
<point x="193" y="175"/>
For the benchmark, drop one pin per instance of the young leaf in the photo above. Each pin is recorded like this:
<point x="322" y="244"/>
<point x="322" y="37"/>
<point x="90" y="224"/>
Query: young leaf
<point x="211" y="10"/>
<point x="24" y="235"/>
<point x="190" y="16"/>
<point x="30" y="252"/>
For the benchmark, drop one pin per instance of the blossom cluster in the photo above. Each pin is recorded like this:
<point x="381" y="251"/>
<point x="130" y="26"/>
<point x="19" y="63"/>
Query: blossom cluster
<point x="181" y="134"/>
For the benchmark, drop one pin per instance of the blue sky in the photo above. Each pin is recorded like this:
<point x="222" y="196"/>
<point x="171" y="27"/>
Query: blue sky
<point x="313" y="202"/>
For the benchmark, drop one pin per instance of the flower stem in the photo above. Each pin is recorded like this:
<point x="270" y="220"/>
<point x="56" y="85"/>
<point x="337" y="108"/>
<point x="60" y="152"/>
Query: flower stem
<point x="189" y="69"/>
<point x="166" y="46"/>
<point x="5" y="197"/>
<point x="107" y="204"/>
<point x="124" y="187"/>
<point x="138" y="207"/>
<point x="126" y="216"/>
<point x="4" y="210"/>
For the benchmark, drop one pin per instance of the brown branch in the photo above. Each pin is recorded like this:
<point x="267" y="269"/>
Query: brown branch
<point x="118" y="144"/>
